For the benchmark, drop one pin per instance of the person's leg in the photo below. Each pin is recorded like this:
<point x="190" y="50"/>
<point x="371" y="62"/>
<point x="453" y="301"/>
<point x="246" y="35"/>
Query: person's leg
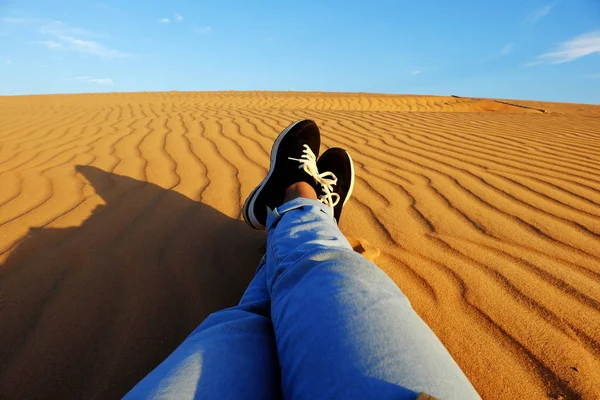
<point x="343" y="328"/>
<point x="231" y="355"/>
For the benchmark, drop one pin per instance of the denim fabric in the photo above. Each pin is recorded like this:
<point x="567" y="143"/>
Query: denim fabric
<point x="318" y="321"/>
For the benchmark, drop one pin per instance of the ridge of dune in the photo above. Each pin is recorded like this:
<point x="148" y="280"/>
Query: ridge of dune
<point x="120" y="228"/>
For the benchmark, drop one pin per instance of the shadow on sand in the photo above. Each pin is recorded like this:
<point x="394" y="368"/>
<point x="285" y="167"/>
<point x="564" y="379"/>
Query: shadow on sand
<point x="85" y="312"/>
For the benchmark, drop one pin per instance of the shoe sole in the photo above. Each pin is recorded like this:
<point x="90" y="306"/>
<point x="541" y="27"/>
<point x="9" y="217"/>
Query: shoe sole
<point x="351" y="188"/>
<point x="351" y="181"/>
<point x="250" y="201"/>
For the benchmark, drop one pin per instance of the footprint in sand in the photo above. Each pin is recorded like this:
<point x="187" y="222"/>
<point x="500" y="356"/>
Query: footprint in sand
<point x="365" y="248"/>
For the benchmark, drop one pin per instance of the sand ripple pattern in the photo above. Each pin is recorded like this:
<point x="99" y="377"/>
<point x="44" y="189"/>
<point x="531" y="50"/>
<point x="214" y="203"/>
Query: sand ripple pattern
<point x="120" y="228"/>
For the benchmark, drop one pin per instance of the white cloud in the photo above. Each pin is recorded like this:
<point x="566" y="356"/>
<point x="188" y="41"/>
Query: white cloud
<point x="102" y="81"/>
<point x="51" y="44"/>
<point x="11" y="20"/>
<point x="58" y="28"/>
<point x="164" y="21"/>
<point x="7" y="61"/>
<point x="67" y="38"/>
<point x="416" y="72"/>
<point x="507" y="49"/>
<point x="178" y="17"/>
<point x="99" y="81"/>
<point x="204" y="29"/>
<point x="540" y="13"/>
<point x="62" y="37"/>
<point x="89" y="47"/>
<point x="571" y="50"/>
<point x="593" y="76"/>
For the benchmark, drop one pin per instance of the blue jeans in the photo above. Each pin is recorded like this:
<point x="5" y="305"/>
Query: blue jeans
<point x="318" y="321"/>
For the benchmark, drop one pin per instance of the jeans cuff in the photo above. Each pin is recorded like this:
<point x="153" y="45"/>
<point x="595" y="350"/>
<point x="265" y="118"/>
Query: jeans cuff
<point x="273" y="216"/>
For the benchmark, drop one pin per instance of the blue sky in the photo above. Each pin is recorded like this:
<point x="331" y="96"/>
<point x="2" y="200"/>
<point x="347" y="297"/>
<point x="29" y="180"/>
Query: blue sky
<point x="525" y="49"/>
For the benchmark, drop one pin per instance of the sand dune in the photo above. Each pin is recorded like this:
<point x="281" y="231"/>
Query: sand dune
<point x="120" y="228"/>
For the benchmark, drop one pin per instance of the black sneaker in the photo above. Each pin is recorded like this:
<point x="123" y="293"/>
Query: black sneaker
<point x="336" y="172"/>
<point x="294" y="151"/>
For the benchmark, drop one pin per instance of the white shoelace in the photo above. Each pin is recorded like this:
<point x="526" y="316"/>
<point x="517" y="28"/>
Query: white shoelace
<point x="308" y="162"/>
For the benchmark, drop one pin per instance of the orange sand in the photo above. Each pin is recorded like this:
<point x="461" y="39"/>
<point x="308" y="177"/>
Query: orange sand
<point x="120" y="228"/>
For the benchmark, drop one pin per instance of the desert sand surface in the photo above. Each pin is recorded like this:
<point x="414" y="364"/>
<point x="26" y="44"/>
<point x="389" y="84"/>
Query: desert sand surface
<point x="120" y="228"/>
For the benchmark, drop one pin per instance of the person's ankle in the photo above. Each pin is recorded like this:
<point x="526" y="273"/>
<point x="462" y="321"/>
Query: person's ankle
<point x="299" y="189"/>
